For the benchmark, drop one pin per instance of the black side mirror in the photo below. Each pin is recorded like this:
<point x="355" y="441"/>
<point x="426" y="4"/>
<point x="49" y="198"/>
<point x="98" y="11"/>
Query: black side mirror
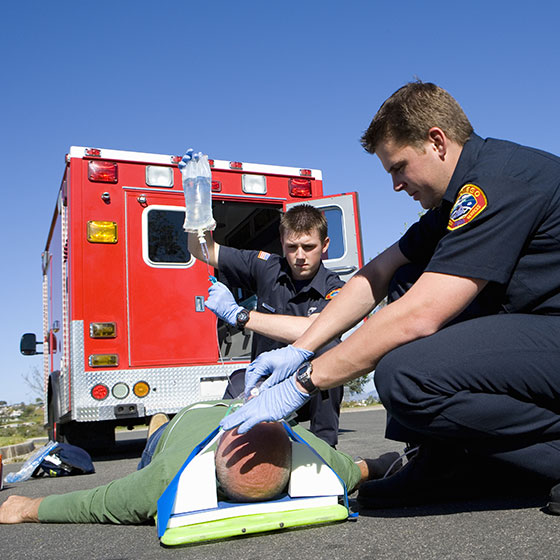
<point x="28" y="344"/>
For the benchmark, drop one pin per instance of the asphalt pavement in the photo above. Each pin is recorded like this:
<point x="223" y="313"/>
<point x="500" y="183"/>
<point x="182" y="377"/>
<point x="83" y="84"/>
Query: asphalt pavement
<point x="491" y="528"/>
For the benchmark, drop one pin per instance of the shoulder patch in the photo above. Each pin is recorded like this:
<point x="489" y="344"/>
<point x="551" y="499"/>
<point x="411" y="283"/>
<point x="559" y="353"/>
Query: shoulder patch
<point x="332" y="293"/>
<point x="471" y="201"/>
<point x="263" y="255"/>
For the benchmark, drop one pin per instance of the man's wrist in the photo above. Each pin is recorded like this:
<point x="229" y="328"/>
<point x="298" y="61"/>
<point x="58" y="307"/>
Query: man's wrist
<point x="303" y="379"/>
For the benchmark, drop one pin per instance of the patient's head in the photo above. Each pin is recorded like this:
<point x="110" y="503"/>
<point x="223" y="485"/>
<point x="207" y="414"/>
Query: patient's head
<point x="254" y="466"/>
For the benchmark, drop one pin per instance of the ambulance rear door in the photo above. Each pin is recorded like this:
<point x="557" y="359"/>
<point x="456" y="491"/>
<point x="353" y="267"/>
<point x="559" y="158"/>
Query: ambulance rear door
<point x="166" y="286"/>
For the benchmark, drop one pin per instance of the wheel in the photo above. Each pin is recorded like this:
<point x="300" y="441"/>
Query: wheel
<point x="53" y="430"/>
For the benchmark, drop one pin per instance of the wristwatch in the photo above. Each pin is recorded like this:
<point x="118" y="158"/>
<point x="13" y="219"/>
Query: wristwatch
<point x="242" y="319"/>
<point x="303" y="377"/>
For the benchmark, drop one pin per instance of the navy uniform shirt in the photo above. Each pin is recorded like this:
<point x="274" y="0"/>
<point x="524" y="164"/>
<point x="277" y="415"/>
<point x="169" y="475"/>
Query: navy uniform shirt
<point x="268" y="275"/>
<point x="499" y="221"/>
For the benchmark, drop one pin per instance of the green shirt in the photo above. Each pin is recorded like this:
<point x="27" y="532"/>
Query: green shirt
<point x="133" y="499"/>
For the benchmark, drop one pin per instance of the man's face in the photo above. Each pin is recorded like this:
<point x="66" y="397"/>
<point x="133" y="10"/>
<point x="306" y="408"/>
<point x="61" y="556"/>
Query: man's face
<point x="303" y="253"/>
<point x="420" y="172"/>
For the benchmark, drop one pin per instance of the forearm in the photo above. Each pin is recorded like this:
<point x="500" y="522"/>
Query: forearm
<point x="196" y="250"/>
<point x="283" y="328"/>
<point x="118" y="502"/>
<point x="431" y="303"/>
<point x="355" y="300"/>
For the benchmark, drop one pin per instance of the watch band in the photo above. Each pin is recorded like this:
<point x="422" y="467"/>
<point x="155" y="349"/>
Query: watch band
<point x="303" y="377"/>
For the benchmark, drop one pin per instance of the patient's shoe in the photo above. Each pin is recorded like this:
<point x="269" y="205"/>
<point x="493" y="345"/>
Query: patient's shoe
<point x="433" y="475"/>
<point x="553" y="505"/>
<point x="157" y="420"/>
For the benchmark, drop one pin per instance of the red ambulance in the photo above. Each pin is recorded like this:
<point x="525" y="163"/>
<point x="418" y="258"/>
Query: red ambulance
<point x="126" y="334"/>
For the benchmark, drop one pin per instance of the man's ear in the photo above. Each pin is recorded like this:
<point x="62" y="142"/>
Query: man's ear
<point x="439" y="140"/>
<point x="326" y="244"/>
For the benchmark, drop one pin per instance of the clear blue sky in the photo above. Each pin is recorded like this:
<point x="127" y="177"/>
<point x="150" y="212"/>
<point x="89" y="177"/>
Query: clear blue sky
<point x="286" y="83"/>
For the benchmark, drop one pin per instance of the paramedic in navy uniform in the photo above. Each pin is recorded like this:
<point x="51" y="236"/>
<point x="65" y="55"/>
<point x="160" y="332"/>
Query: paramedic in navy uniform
<point x="468" y="359"/>
<point x="291" y="291"/>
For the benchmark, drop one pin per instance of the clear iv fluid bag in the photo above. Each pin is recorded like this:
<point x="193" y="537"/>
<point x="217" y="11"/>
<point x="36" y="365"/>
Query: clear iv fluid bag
<point x="197" y="186"/>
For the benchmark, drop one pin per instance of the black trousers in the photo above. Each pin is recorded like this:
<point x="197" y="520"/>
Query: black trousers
<point x="490" y="384"/>
<point x="322" y="410"/>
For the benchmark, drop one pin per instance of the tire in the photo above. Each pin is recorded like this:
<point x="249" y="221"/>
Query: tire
<point x="53" y="427"/>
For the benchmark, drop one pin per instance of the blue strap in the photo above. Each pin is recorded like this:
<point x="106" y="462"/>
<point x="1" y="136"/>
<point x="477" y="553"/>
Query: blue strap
<point x="299" y="439"/>
<point x="167" y="499"/>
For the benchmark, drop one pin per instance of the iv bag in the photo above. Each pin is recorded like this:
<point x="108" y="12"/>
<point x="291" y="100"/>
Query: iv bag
<point x="197" y="186"/>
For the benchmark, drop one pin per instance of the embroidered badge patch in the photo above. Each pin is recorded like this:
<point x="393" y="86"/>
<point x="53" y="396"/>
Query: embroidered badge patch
<point x="471" y="201"/>
<point x="263" y="255"/>
<point x="332" y="293"/>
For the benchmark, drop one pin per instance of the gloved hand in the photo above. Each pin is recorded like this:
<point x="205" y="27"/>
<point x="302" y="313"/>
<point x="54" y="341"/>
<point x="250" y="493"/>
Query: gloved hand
<point x="221" y="302"/>
<point x="280" y="363"/>
<point x="190" y="154"/>
<point x="273" y="404"/>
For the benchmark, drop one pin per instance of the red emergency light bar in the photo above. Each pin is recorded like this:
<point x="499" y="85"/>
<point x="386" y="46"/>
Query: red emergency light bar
<point x="300" y="188"/>
<point x="103" y="171"/>
<point x="235" y="165"/>
<point x="93" y="152"/>
<point x="305" y="172"/>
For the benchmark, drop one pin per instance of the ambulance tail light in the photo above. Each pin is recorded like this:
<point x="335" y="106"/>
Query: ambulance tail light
<point x="99" y="231"/>
<point x="216" y="186"/>
<point x="100" y="392"/>
<point x="300" y="188"/>
<point x="253" y="184"/>
<point x="103" y="171"/>
<point x="103" y="360"/>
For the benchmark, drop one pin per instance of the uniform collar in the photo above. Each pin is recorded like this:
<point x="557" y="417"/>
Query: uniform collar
<point x="318" y="282"/>
<point x="467" y="159"/>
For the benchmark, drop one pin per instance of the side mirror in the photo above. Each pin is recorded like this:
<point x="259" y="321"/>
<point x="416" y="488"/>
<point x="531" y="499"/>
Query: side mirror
<point x="28" y="344"/>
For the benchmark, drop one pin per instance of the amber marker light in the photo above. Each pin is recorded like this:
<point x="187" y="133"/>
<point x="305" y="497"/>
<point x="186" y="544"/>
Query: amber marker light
<point x="104" y="360"/>
<point x="101" y="232"/>
<point x="102" y="330"/>
<point x="141" y="389"/>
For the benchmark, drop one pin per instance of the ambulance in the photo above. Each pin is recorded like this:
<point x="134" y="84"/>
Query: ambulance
<point x="125" y="330"/>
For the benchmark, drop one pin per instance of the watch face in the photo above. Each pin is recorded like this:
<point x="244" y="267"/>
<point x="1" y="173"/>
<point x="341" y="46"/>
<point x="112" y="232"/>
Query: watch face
<point x="303" y="375"/>
<point x="242" y="318"/>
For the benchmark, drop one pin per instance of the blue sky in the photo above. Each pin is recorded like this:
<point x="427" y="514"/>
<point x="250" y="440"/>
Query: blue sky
<point x="286" y="83"/>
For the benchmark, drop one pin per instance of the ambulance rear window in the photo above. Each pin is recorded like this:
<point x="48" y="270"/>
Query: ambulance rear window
<point x="334" y="217"/>
<point x="167" y="241"/>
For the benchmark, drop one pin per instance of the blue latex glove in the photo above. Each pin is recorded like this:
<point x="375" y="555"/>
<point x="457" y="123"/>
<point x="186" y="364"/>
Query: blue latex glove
<point x="279" y="364"/>
<point x="190" y="154"/>
<point x="221" y="302"/>
<point x="273" y="404"/>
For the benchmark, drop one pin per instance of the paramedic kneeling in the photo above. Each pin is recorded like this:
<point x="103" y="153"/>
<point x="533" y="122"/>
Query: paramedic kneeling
<point x="467" y="359"/>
